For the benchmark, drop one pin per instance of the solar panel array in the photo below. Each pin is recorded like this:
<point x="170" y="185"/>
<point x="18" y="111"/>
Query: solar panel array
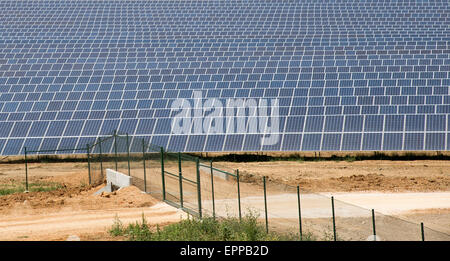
<point x="348" y="75"/>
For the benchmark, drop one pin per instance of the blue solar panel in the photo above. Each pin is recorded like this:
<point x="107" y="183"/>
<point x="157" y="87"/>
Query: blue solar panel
<point x="13" y="147"/>
<point x="177" y="143"/>
<point x="392" y="141"/>
<point x="347" y="74"/>
<point x="68" y="143"/>
<point x="331" y="142"/>
<point x="160" y="140"/>
<point x="32" y="144"/>
<point x="196" y="143"/>
<point x="20" y="129"/>
<point x="372" y="141"/>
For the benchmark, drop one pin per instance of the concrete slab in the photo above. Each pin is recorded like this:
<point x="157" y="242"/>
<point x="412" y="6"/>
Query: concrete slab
<point x="115" y="181"/>
<point x="118" y="179"/>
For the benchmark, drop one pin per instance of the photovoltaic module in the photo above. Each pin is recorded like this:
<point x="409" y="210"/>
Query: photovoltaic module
<point x="190" y="76"/>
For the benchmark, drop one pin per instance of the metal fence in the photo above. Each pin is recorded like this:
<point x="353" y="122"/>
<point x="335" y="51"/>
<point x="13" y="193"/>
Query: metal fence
<point x="203" y="188"/>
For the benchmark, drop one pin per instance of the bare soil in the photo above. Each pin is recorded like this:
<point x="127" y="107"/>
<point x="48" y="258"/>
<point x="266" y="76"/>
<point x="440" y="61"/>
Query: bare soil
<point x="437" y="219"/>
<point x="343" y="176"/>
<point x="74" y="210"/>
<point x="348" y="179"/>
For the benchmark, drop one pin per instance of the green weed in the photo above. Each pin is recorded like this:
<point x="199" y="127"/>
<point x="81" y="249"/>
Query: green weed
<point x="206" y="229"/>
<point x="12" y="188"/>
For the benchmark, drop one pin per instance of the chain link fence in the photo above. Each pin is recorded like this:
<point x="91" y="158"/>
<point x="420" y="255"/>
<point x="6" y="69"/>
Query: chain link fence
<point x="203" y="188"/>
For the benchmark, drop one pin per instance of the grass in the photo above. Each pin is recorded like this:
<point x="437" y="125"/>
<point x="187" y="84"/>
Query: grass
<point x="206" y="229"/>
<point x="350" y="158"/>
<point x="12" y="188"/>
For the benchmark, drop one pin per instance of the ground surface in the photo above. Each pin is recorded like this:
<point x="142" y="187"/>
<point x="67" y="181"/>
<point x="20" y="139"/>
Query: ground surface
<point x="368" y="175"/>
<point x="74" y="210"/>
<point x="418" y="191"/>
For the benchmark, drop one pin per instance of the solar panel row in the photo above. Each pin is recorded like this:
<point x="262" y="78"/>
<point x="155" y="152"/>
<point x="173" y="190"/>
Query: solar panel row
<point x="348" y="75"/>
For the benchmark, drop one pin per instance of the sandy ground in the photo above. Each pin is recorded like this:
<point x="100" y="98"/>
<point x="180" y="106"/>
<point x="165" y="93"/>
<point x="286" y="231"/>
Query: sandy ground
<point x="418" y="191"/>
<point x="73" y="209"/>
<point x="86" y="224"/>
<point x="346" y="204"/>
<point x="343" y="176"/>
<point x="432" y="208"/>
<point x="313" y="176"/>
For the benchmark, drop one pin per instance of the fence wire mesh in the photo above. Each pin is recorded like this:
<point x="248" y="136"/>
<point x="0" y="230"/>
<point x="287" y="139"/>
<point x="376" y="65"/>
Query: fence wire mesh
<point x="204" y="188"/>
<point x="95" y="161"/>
<point x="303" y="214"/>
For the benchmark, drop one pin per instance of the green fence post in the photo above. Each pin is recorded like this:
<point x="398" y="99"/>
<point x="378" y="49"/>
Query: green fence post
<point x="26" y="171"/>
<point x="180" y="179"/>
<point x="145" y="171"/>
<point x="199" y="188"/>
<point x="162" y="174"/>
<point x="334" y="218"/>
<point x="423" y="231"/>
<point x="373" y="225"/>
<point x="299" y="214"/>
<point x="128" y="155"/>
<point x="115" y="148"/>
<point x="89" y="163"/>
<point x="239" y="195"/>
<point x="212" y="189"/>
<point x="265" y="205"/>
<point x="101" y="157"/>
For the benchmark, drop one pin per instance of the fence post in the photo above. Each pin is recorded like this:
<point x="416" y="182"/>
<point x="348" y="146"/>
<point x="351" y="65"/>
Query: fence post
<point x="239" y="194"/>
<point x="422" y="230"/>
<point x="334" y="218"/>
<point x="26" y="171"/>
<point x="162" y="174"/>
<point x="89" y="163"/>
<point x="180" y="179"/>
<point x="299" y="214"/>
<point x="101" y="156"/>
<point x="199" y="188"/>
<point x="265" y="205"/>
<point x="143" y="160"/>
<point x="373" y="225"/>
<point x="128" y="155"/>
<point x="115" y="148"/>
<point x="212" y="190"/>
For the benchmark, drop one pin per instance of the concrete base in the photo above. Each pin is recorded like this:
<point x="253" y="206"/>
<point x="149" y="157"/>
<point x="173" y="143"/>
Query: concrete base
<point x="115" y="181"/>
<point x="107" y="188"/>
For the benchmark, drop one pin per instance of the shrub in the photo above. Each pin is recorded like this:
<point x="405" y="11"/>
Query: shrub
<point x="206" y="229"/>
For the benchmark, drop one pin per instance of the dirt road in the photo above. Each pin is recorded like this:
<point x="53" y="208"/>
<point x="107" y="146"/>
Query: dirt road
<point x="75" y="210"/>
<point x="83" y="223"/>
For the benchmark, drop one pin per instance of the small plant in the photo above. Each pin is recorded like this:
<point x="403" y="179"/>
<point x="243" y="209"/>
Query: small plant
<point x="117" y="228"/>
<point x="207" y="229"/>
<point x="350" y="158"/>
<point x="138" y="231"/>
<point x="328" y="236"/>
<point x="12" y="188"/>
<point x="8" y="191"/>
<point x="43" y="186"/>
<point x="308" y="237"/>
